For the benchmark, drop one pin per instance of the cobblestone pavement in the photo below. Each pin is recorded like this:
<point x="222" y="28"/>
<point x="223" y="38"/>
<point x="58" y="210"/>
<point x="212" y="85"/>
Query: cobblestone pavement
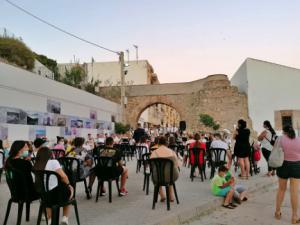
<point x="136" y="208"/>
<point x="258" y="211"/>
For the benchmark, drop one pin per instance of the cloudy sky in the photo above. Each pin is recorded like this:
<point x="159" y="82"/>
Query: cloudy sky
<point x="184" y="40"/>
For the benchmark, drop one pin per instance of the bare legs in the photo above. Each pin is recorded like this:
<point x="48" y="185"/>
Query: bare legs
<point x="124" y="178"/>
<point x="66" y="210"/>
<point x="229" y="197"/>
<point x="229" y="156"/>
<point x="294" y="184"/>
<point x="282" y="184"/>
<point x="245" y="166"/>
<point x="171" y="193"/>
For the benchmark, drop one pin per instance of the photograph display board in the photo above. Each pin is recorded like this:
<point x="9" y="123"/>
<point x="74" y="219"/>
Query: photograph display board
<point x="53" y="106"/>
<point x="70" y="125"/>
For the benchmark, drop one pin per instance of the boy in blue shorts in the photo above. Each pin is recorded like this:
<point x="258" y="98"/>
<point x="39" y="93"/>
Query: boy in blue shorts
<point x="221" y="187"/>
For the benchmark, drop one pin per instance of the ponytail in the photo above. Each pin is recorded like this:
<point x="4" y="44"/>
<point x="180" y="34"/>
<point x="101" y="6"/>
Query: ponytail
<point x="269" y="127"/>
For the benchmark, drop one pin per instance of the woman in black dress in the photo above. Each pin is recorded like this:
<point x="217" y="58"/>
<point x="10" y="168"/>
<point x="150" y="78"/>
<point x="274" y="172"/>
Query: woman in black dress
<point x="242" y="148"/>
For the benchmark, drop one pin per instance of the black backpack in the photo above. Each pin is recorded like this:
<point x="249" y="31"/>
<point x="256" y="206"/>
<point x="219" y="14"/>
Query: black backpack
<point x="273" y="139"/>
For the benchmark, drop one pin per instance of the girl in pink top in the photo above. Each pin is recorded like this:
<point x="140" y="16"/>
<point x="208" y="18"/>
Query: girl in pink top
<point x="290" y="170"/>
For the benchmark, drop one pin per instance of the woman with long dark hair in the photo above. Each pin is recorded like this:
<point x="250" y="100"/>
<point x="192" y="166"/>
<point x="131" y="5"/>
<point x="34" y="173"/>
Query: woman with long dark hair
<point x="290" y="170"/>
<point x="44" y="162"/>
<point x="17" y="160"/>
<point x="265" y="139"/>
<point x="242" y="148"/>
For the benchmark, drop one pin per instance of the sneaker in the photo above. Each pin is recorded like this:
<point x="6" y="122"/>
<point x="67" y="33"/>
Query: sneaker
<point x="123" y="192"/>
<point x="64" y="221"/>
<point x="49" y="222"/>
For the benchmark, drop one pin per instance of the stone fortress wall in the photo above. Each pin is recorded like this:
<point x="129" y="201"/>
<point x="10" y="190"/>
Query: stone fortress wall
<point x="212" y="95"/>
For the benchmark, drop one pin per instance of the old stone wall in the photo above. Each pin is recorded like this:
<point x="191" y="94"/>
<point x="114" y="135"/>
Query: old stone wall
<point x="212" y="95"/>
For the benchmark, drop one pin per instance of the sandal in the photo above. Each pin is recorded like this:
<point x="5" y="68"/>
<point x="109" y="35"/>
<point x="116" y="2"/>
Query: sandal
<point x="278" y="215"/>
<point x="162" y="199"/>
<point x="245" y="199"/>
<point x="227" y="206"/>
<point x="296" y="221"/>
<point x="233" y="205"/>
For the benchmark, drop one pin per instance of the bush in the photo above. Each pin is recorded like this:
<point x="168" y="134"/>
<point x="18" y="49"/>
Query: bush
<point x="209" y="121"/>
<point x="120" y="128"/>
<point x="16" y="52"/>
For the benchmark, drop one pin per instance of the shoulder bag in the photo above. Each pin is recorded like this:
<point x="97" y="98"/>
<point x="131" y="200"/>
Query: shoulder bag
<point x="277" y="156"/>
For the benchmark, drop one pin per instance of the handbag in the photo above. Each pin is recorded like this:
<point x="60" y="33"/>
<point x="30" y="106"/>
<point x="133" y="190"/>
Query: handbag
<point x="277" y="156"/>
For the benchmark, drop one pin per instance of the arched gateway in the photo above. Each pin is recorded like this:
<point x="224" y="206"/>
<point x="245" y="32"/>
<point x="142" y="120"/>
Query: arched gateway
<point x="212" y="95"/>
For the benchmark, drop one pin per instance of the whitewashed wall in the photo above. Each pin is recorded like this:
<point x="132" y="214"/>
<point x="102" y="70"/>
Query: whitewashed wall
<point x="111" y="71"/>
<point x="28" y="91"/>
<point x="270" y="87"/>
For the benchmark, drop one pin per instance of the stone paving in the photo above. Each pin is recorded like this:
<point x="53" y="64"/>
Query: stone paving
<point x="136" y="208"/>
<point x="258" y="211"/>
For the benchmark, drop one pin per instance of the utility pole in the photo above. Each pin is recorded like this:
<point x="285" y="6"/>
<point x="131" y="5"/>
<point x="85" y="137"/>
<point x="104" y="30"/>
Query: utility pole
<point x="122" y="62"/>
<point x="136" y="53"/>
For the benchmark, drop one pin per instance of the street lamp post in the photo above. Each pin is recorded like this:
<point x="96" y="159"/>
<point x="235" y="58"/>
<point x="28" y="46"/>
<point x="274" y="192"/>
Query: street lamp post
<point x="122" y="62"/>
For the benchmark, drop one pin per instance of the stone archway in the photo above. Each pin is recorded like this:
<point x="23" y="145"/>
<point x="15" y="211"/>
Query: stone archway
<point x="213" y="95"/>
<point x="136" y="105"/>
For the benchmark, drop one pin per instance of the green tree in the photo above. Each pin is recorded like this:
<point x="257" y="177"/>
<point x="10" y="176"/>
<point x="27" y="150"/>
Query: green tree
<point x="120" y="128"/>
<point x="209" y="121"/>
<point x="75" y="76"/>
<point x="91" y="86"/>
<point x="16" y="52"/>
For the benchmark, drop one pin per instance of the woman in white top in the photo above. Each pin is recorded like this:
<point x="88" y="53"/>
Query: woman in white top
<point x="143" y="142"/>
<point x="265" y="139"/>
<point x="44" y="162"/>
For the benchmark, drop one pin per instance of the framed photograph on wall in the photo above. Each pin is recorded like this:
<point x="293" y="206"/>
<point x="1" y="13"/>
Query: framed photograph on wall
<point x="88" y="124"/>
<point x="33" y="118"/>
<point x="68" y="131"/>
<point x="79" y="123"/>
<point x="53" y="106"/>
<point x="37" y="132"/>
<point x="3" y="133"/>
<point x="3" y="115"/>
<point x="93" y="115"/>
<point x="16" y="116"/>
<point x="48" y="119"/>
<point x="60" y="121"/>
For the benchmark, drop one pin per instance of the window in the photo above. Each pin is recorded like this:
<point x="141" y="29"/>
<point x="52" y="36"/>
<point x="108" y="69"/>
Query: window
<point x="286" y="121"/>
<point x="113" y="119"/>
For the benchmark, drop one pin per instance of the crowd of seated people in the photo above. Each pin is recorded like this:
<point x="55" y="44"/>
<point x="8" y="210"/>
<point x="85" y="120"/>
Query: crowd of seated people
<point x="164" y="146"/>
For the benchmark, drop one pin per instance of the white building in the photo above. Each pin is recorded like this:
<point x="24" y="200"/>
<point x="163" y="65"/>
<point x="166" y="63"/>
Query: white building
<point x="270" y="87"/>
<point x="24" y="90"/>
<point x="42" y="70"/>
<point x="109" y="73"/>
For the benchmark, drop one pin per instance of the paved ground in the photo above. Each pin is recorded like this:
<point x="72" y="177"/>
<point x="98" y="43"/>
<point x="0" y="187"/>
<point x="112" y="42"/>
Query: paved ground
<point x="258" y="211"/>
<point x="195" y="199"/>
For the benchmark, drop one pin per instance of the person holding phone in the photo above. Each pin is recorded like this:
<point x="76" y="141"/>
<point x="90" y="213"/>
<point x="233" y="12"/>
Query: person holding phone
<point x="242" y="148"/>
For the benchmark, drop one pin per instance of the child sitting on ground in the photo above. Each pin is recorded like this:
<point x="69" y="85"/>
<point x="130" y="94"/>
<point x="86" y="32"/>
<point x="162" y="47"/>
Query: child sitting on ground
<point x="221" y="187"/>
<point x="240" y="193"/>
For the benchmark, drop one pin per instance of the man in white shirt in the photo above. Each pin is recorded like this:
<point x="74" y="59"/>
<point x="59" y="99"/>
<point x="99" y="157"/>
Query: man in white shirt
<point x="219" y="143"/>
